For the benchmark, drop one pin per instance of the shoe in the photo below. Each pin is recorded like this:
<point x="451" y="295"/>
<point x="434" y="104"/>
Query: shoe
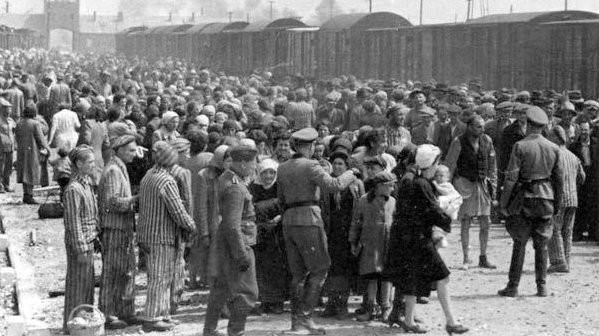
<point x="508" y="291"/>
<point x="559" y="268"/>
<point x="369" y="313"/>
<point x="456" y="329"/>
<point x="277" y="308"/>
<point x="385" y="313"/>
<point x="541" y="291"/>
<point x="307" y="323"/>
<point x="29" y="200"/>
<point x="113" y="323"/>
<point x="484" y="263"/>
<point x="395" y="316"/>
<point x="416" y="329"/>
<point x="171" y="320"/>
<point x="422" y="300"/>
<point x="157" y="326"/>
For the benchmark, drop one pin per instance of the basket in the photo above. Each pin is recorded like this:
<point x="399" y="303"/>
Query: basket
<point x="96" y="329"/>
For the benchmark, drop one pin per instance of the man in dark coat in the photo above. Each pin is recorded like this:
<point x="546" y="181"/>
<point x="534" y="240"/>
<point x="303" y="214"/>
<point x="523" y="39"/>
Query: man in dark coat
<point x="531" y="196"/>
<point x="298" y="190"/>
<point x="511" y="134"/>
<point x="445" y="133"/>
<point x="235" y="282"/>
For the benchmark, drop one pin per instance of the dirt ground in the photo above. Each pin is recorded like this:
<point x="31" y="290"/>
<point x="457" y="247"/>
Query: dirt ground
<point x="572" y="308"/>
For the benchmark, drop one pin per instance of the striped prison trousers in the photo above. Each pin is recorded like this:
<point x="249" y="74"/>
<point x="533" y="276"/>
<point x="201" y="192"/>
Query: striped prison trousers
<point x="117" y="290"/>
<point x="80" y="281"/>
<point x="161" y="267"/>
<point x="178" y="284"/>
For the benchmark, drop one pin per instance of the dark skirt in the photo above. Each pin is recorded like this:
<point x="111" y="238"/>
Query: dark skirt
<point x="271" y="266"/>
<point x="417" y="267"/>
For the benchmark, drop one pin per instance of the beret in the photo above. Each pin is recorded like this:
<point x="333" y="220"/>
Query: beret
<point x="383" y="177"/>
<point x="307" y="134"/>
<point x="243" y="152"/>
<point x="536" y="115"/>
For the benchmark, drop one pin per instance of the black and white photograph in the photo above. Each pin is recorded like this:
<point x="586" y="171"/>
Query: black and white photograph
<point x="284" y="167"/>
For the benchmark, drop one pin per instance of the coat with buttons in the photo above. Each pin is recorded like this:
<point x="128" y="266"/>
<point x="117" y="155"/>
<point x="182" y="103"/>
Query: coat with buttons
<point x="30" y="140"/>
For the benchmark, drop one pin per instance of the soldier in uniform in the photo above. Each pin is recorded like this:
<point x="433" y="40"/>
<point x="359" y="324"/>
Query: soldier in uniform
<point x="532" y="193"/>
<point x="235" y="282"/>
<point x="300" y="180"/>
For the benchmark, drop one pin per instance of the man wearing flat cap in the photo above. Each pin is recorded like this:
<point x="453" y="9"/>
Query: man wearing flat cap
<point x="235" y="282"/>
<point x="299" y="183"/>
<point x="532" y="195"/>
<point x="117" y="221"/>
<point x="163" y="219"/>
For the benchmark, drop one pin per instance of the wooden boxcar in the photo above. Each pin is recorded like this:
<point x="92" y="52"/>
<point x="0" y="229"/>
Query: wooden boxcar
<point x="301" y="51"/>
<point x="342" y="42"/>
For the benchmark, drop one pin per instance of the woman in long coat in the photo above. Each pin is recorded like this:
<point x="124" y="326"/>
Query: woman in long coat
<point x="32" y="145"/>
<point x="337" y="216"/>
<point x="414" y="263"/>
<point x="271" y="261"/>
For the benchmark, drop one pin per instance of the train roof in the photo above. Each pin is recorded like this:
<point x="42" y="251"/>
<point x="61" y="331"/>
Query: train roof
<point x="279" y="24"/>
<point x="364" y="21"/>
<point x="534" y="17"/>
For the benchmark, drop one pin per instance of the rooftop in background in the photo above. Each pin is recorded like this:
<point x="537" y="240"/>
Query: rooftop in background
<point x="534" y="17"/>
<point x="363" y="21"/>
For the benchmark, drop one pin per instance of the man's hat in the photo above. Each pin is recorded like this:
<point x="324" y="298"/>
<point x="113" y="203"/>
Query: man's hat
<point x="243" y="152"/>
<point x="536" y="115"/>
<point x="307" y="134"/>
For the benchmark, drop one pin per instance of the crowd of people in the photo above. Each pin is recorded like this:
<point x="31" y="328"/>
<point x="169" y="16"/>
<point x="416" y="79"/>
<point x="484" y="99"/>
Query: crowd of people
<point x="267" y="189"/>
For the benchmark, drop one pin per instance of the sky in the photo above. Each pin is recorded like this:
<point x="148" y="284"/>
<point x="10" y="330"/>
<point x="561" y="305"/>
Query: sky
<point x="435" y="11"/>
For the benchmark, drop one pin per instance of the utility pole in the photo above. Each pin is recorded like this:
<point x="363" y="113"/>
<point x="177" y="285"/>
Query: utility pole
<point x="331" y="9"/>
<point x="421" y="3"/>
<point x="468" y="10"/>
<point x="565" y="5"/>
<point x="230" y="16"/>
<point x="511" y="9"/>
<point x="370" y="6"/>
<point x="271" y="9"/>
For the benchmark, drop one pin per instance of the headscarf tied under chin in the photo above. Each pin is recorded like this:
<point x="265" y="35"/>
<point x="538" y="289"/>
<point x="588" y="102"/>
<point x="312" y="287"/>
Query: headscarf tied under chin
<point x="267" y="164"/>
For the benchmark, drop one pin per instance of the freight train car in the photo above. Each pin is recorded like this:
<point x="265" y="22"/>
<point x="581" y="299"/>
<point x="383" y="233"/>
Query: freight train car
<point x="533" y="50"/>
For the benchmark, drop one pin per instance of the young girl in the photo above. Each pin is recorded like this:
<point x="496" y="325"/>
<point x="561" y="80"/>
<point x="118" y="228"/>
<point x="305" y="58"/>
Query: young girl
<point x="449" y="199"/>
<point x="369" y="238"/>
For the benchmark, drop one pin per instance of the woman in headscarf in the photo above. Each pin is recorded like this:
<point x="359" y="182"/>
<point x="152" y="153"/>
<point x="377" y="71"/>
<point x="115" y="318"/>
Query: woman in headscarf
<point x="80" y="222"/>
<point x="337" y="208"/>
<point x="414" y="265"/>
<point x="168" y="128"/>
<point x="271" y="263"/>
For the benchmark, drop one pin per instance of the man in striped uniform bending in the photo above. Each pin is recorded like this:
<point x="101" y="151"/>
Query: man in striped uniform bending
<point x="117" y="220"/>
<point x="163" y="219"/>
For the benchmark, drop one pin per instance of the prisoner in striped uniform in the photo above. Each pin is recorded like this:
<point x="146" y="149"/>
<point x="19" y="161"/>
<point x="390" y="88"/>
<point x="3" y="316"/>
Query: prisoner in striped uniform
<point x="162" y="220"/>
<point x="80" y="222"/>
<point x="117" y="220"/>
<point x="183" y="178"/>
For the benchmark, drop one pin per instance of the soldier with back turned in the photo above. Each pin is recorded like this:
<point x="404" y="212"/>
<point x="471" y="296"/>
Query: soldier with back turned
<point x="299" y="183"/>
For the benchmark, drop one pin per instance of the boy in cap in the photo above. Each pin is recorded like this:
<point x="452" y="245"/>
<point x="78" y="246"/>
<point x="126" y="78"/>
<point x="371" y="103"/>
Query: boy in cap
<point x="532" y="195"/>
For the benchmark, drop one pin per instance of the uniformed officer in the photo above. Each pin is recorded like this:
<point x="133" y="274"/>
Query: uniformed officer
<point x="531" y="196"/>
<point x="299" y="183"/>
<point x="235" y="283"/>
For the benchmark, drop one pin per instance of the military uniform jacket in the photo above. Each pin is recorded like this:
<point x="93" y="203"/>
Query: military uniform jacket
<point x="534" y="172"/>
<point x="299" y="181"/>
<point x="237" y="231"/>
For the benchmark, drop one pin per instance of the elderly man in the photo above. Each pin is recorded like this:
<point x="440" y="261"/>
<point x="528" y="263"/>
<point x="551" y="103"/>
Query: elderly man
<point x="117" y="220"/>
<point x="471" y="159"/>
<point x="531" y="196"/>
<point x="299" y="182"/>
<point x="163" y="219"/>
<point x="235" y="282"/>
<point x="7" y="145"/>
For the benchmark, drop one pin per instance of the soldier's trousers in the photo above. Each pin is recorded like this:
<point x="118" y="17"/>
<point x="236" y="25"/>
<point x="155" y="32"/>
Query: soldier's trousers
<point x="6" y="168"/>
<point x="521" y="229"/>
<point x="238" y="290"/>
<point x="309" y="262"/>
<point x="80" y="281"/>
<point x="161" y="266"/>
<point x="117" y="290"/>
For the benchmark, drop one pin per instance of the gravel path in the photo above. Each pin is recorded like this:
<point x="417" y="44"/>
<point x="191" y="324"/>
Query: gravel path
<point x="572" y="307"/>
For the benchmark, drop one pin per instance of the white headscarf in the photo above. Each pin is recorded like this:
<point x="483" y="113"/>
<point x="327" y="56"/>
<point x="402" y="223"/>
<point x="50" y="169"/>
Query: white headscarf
<point x="267" y="164"/>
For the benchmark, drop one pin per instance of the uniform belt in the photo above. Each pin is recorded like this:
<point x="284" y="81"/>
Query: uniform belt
<point x="300" y="204"/>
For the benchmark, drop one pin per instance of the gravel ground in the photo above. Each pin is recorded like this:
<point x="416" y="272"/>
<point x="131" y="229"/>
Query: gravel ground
<point x="572" y="307"/>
